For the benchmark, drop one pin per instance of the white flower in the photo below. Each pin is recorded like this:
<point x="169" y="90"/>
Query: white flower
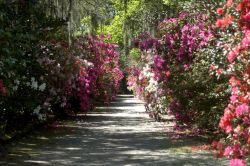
<point x="37" y="110"/>
<point x="42" y="87"/>
<point x="63" y="104"/>
<point x="40" y="117"/>
<point x="90" y="64"/>
<point x="15" y="88"/>
<point x="17" y="82"/>
<point x="152" y="86"/>
<point x="34" y="85"/>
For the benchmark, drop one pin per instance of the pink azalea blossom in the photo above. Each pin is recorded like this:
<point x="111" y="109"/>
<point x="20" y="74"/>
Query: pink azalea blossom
<point x="212" y="67"/>
<point x="235" y="90"/>
<point x="233" y="98"/>
<point x="246" y="41"/>
<point x="219" y="71"/>
<point x="237" y="162"/>
<point x="186" y="67"/>
<point x="247" y="17"/>
<point x="229" y="129"/>
<point x="228" y="151"/>
<point x="246" y="120"/>
<point x="229" y="3"/>
<point x="231" y="56"/>
<point x="242" y="109"/>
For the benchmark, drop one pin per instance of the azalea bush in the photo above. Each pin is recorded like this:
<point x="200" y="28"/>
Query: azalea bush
<point x="194" y="68"/>
<point x="23" y="82"/>
<point x="173" y="74"/>
<point x="234" y="27"/>
<point x="41" y="74"/>
<point x="107" y="68"/>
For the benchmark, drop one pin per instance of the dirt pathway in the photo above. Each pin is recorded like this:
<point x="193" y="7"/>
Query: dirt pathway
<point x="121" y="134"/>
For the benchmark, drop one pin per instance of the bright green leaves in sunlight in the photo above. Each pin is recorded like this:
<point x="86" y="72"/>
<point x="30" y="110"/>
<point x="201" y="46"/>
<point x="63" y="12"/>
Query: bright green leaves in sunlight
<point x="115" y="28"/>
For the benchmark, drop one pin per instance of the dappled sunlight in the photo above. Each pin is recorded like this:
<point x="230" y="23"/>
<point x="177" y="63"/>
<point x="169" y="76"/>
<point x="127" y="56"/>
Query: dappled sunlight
<point x="37" y="162"/>
<point x="124" y="82"/>
<point x="123" y="136"/>
<point x="138" y="108"/>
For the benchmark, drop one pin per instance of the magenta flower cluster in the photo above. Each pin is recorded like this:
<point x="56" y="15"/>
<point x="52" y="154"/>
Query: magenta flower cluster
<point x="99" y="77"/>
<point x="166" y="57"/>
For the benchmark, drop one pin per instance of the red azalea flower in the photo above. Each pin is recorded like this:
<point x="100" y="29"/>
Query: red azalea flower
<point x="228" y="20"/>
<point x="77" y="62"/>
<point x="229" y="3"/>
<point x="168" y="73"/>
<point x="82" y="72"/>
<point x="245" y="21"/>
<point x="234" y="81"/>
<point x="219" y="23"/>
<point x="220" y="154"/>
<point x="243" y="87"/>
<point x="243" y="99"/>
<point x="239" y="7"/>
<point x="246" y="17"/>
<point x="220" y="11"/>
<point x="214" y="144"/>
<point x="224" y="22"/>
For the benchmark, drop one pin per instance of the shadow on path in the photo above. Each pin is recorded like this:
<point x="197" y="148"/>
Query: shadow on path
<point x="119" y="134"/>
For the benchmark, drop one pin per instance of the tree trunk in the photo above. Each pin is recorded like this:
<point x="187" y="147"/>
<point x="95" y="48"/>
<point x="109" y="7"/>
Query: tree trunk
<point x="70" y="20"/>
<point x="94" y="24"/>
<point x="125" y="30"/>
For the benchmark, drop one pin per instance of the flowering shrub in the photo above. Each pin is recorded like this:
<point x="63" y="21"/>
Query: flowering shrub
<point x="235" y="29"/>
<point x="23" y="84"/>
<point x="108" y="73"/>
<point x="99" y="76"/>
<point x="187" y="66"/>
<point x="172" y="74"/>
<point x="40" y="74"/>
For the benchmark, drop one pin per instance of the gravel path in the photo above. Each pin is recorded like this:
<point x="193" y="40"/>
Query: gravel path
<point x="120" y="134"/>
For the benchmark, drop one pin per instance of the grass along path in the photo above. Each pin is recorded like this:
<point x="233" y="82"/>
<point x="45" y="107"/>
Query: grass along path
<point x="119" y="134"/>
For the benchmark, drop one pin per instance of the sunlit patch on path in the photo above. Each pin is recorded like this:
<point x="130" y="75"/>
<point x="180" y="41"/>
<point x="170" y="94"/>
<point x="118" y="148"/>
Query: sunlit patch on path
<point x="119" y="134"/>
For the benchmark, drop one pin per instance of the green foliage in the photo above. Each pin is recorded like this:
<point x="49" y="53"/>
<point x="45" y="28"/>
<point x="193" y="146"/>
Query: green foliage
<point x="43" y="67"/>
<point x="173" y="74"/>
<point x="200" y="92"/>
<point x="26" y="36"/>
<point x="139" y="16"/>
<point x="115" y="30"/>
<point x="135" y="54"/>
